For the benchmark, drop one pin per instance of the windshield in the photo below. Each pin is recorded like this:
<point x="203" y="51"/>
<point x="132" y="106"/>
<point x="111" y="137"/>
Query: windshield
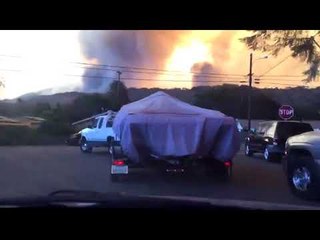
<point x="194" y="113"/>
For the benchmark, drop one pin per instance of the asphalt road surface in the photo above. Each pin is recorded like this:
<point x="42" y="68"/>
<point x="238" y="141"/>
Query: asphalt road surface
<point x="39" y="170"/>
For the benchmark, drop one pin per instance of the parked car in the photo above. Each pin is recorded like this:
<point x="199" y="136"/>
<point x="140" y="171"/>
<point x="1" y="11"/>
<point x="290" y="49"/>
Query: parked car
<point x="302" y="164"/>
<point x="271" y="136"/>
<point x="99" y="134"/>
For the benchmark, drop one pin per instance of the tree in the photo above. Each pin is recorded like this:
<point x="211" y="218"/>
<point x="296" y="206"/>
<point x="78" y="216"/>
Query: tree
<point x="302" y="44"/>
<point x="86" y="106"/>
<point x="42" y="109"/>
<point x="232" y="100"/>
<point x="118" y="95"/>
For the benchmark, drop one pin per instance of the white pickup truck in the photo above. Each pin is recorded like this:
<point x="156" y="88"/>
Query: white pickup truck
<point x="99" y="134"/>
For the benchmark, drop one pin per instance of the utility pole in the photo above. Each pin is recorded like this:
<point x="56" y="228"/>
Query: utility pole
<point x="249" y="95"/>
<point x="118" y="88"/>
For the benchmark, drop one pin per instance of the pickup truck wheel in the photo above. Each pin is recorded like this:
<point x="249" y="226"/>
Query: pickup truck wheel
<point x="267" y="155"/>
<point x="303" y="180"/>
<point x="247" y="150"/>
<point x="84" y="146"/>
<point x="109" y="143"/>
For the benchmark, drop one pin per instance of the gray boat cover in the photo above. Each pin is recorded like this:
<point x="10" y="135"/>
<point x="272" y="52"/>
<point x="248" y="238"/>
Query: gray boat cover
<point x="165" y="126"/>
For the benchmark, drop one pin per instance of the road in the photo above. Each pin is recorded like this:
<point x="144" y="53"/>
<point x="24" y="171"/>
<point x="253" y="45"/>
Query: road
<point x="39" y="170"/>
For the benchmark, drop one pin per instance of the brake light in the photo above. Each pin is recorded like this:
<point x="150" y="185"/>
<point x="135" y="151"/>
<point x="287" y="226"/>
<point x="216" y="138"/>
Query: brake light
<point x="118" y="162"/>
<point x="227" y="164"/>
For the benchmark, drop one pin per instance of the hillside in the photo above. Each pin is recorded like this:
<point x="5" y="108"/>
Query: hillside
<point x="305" y="101"/>
<point x="230" y="99"/>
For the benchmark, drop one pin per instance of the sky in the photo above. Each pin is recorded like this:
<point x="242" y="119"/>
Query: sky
<point x="39" y="60"/>
<point x="36" y="60"/>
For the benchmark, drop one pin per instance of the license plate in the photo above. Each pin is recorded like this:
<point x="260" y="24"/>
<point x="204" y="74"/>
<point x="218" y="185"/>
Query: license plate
<point x="119" y="169"/>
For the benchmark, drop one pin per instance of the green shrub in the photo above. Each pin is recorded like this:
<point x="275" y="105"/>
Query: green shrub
<point x="22" y="135"/>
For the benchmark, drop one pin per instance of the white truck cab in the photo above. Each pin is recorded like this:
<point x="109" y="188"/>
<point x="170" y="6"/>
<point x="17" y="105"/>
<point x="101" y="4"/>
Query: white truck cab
<point x="99" y="134"/>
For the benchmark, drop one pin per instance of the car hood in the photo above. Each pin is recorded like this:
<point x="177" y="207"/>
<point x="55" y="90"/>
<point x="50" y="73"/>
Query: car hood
<point x="85" y="130"/>
<point x="71" y="198"/>
<point x="312" y="137"/>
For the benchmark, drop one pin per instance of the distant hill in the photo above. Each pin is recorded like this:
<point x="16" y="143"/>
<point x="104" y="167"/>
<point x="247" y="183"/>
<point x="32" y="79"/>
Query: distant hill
<point x="62" y="98"/>
<point x="227" y="98"/>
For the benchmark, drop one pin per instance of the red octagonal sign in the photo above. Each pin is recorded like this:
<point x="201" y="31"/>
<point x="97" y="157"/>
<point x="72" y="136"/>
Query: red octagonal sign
<point x="286" y="112"/>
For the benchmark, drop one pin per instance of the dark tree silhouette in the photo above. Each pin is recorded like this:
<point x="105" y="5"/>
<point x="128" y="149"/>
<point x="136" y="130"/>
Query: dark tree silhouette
<point x="303" y="44"/>
<point x="118" y="95"/>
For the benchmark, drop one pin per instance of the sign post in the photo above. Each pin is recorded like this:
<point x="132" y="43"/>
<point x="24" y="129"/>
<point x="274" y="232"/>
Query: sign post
<point x="286" y="112"/>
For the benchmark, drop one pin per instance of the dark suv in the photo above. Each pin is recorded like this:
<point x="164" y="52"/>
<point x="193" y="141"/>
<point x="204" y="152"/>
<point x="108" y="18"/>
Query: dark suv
<point x="271" y="136"/>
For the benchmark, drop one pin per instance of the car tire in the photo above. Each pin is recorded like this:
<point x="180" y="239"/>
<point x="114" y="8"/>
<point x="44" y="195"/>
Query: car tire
<point x="84" y="146"/>
<point x="109" y="143"/>
<point x="247" y="150"/>
<point x="302" y="178"/>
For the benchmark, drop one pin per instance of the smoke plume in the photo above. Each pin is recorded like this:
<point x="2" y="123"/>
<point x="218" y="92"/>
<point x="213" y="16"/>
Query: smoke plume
<point x="153" y="48"/>
<point x="203" y="68"/>
<point x="125" y="48"/>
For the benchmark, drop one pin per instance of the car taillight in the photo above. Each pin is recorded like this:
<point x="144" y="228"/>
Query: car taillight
<point x="118" y="162"/>
<point x="227" y="164"/>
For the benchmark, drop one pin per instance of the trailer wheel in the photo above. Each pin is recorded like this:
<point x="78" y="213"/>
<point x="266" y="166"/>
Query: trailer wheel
<point x="109" y="144"/>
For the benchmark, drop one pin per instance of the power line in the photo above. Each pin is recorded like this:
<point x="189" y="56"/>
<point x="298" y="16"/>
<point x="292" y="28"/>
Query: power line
<point x="157" y="70"/>
<point x="282" y="84"/>
<point x="169" y="74"/>
<point x="165" y="80"/>
<point x="176" y="81"/>
<point x="150" y="79"/>
<point x="275" y="65"/>
<point x="153" y="80"/>
<point x="84" y="76"/>
<point x="285" y="75"/>
<point x="179" y="74"/>
<point x="153" y="71"/>
<point x="278" y="79"/>
<point x="195" y="74"/>
<point x="285" y="58"/>
<point x="104" y="67"/>
<point x="181" y="81"/>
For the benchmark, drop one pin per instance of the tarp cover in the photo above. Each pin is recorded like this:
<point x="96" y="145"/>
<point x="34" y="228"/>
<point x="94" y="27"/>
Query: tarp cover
<point x="165" y="126"/>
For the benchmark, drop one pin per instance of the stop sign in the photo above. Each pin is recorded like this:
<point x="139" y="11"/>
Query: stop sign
<point x="286" y="112"/>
